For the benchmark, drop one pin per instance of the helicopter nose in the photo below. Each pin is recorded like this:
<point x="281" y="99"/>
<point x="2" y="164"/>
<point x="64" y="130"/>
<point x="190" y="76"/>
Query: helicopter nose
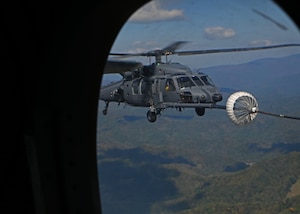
<point x="217" y="97"/>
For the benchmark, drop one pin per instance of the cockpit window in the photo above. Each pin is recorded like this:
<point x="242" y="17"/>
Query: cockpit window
<point x="184" y="82"/>
<point x="197" y="81"/>
<point x="207" y="80"/>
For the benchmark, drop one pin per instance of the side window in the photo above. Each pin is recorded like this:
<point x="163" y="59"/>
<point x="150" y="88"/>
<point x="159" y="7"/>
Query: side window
<point x="135" y="86"/>
<point x="170" y="85"/>
<point x="143" y="87"/>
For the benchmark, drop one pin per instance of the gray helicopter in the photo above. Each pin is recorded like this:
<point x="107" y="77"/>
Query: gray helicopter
<point x="161" y="85"/>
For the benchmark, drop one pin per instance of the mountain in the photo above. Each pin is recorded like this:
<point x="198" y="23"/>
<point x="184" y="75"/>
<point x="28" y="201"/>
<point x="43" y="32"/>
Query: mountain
<point x="262" y="188"/>
<point x="263" y="76"/>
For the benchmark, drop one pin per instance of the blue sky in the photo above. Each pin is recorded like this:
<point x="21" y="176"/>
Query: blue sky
<point x="209" y="24"/>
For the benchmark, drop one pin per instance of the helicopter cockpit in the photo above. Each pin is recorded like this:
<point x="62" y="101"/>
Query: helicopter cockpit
<point x="192" y="88"/>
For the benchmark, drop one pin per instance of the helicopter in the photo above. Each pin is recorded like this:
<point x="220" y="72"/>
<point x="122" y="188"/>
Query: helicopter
<point x="161" y="85"/>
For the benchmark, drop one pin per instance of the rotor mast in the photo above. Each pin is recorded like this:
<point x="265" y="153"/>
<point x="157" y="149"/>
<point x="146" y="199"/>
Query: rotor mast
<point x="158" y="58"/>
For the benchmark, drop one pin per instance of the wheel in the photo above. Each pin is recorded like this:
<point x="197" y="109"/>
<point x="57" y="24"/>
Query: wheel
<point x="151" y="116"/>
<point x="200" y="111"/>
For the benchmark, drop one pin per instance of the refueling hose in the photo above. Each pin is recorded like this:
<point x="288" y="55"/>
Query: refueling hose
<point x="278" y="115"/>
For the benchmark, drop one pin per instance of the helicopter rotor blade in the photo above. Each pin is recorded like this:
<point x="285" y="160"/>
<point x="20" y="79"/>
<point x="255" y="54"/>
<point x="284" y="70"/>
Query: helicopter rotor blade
<point x="118" y="66"/>
<point x="122" y="55"/>
<point x="283" y="27"/>
<point x="168" y="50"/>
<point x="171" y="49"/>
<point x="225" y="50"/>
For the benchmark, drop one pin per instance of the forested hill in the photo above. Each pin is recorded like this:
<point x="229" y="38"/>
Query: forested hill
<point x="262" y="188"/>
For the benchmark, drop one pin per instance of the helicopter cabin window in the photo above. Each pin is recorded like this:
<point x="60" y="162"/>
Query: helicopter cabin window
<point x="143" y="87"/>
<point x="184" y="82"/>
<point x="136" y="86"/>
<point x="207" y="80"/>
<point x="197" y="81"/>
<point x="170" y="85"/>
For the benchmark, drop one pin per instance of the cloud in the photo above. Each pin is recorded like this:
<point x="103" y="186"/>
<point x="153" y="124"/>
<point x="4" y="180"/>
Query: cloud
<point x="143" y="46"/>
<point x="153" y="12"/>
<point x="218" y="33"/>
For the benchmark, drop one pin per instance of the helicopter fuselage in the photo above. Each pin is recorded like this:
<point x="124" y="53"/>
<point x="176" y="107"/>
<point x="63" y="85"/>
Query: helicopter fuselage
<point x="160" y="86"/>
<point x="172" y="85"/>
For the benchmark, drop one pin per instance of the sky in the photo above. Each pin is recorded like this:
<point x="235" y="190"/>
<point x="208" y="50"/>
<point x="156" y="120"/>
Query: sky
<point x="208" y="24"/>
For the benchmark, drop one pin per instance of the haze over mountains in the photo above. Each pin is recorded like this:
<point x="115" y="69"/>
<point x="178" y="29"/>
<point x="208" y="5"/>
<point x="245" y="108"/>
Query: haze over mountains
<point x="183" y="163"/>
<point x="270" y="75"/>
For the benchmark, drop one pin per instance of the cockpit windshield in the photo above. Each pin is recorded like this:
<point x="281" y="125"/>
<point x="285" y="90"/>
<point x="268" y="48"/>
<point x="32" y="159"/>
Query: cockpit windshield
<point x="197" y="81"/>
<point x="207" y="80"/>
<point x="184" y="82"/>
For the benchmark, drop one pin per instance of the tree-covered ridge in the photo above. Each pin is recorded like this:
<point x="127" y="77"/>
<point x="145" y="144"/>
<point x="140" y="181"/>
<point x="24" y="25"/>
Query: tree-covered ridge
<point x="164" y="183"/>
<point x="262" y="188"/>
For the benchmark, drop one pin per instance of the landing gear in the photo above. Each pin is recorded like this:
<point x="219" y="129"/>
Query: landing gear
<point x="151" y="116"/>
<point x="152" y="113"/>
<point x="200" y="111"/>
<point x="105" y="109"/>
